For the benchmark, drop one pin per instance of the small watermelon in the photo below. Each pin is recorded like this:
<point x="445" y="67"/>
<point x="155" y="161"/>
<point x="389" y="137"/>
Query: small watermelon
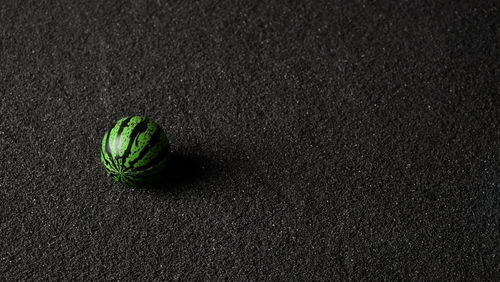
<point x="135" y="150"/>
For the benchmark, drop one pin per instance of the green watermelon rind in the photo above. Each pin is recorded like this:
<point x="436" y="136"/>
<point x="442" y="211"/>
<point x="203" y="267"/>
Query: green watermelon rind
<point x="135" y="151"/>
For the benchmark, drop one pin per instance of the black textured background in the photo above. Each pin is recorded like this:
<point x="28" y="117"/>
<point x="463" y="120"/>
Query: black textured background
<point x="321" y="140"/>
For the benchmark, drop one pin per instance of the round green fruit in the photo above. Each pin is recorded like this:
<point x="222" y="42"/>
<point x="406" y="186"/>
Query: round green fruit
<point x="135" y="150"/>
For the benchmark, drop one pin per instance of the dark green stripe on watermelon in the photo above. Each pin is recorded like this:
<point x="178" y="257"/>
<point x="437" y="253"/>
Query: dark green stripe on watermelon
<point x="152" y="142"/>
<point x="106" y="162"/>
<point x="107" y="151"/>
<point x="141" y="127"/>
<point x="121" y="126"/>
<point x="135" y="150"/>
<point x="156" y="160"/>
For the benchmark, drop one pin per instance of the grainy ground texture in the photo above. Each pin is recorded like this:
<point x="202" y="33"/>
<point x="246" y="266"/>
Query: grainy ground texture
<point x="312" y="140"/>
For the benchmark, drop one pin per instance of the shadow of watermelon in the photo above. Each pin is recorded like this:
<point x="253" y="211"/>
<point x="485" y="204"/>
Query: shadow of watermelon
<point x="183" y="172"/>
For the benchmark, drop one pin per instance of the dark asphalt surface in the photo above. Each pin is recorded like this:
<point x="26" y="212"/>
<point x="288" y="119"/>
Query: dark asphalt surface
<point x="328" y="140"/>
